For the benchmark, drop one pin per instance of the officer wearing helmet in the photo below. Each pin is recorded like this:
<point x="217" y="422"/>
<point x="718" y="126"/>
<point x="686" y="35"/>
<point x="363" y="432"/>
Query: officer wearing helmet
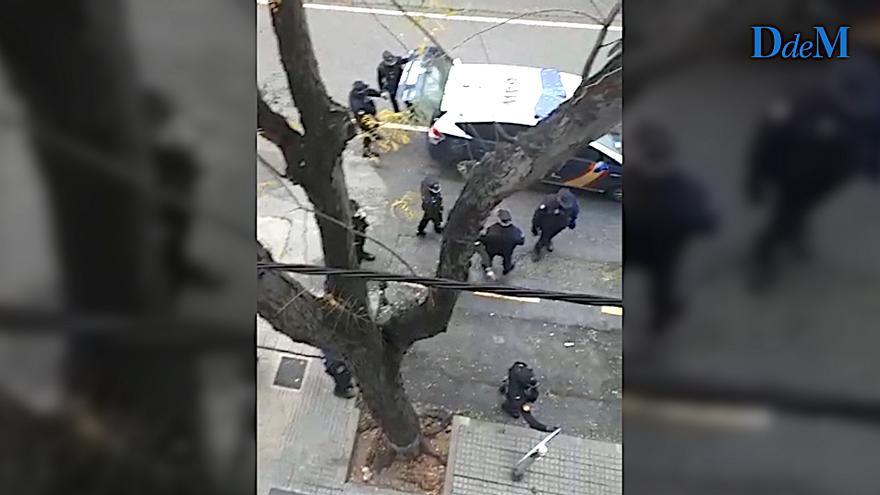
<point x="360" y="100"/>
<point x="389" y="72"/>
<point x="432" y="206"/>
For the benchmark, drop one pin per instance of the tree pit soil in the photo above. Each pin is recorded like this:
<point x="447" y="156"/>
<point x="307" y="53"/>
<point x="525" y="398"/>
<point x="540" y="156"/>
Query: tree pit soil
<point x="423" y="475"/>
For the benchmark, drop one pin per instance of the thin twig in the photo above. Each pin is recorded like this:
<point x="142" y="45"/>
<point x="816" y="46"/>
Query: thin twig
<point x="612" y="14"/>
<point x="384" y="26"/>
<point x="419" y="26"/>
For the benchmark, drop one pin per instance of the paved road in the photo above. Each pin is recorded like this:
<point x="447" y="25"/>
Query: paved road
<point x="354" y="55"/>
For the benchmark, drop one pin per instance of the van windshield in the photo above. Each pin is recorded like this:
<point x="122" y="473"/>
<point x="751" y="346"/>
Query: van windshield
<point x="422" y="83"/>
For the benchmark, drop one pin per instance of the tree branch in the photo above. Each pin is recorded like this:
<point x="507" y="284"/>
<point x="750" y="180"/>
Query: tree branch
<point x="612" y="14"/>
<point x="328" y="128"/>
<point x="274" y="127"/>
<point x="287" y="305"/>
<point x="301" y="68"/>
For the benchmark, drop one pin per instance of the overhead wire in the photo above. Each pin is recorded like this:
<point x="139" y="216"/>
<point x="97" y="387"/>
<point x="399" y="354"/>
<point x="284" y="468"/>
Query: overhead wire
<point x="443" y="283"/>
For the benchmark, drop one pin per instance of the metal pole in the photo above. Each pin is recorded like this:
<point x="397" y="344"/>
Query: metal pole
<point x="537" y="452"/>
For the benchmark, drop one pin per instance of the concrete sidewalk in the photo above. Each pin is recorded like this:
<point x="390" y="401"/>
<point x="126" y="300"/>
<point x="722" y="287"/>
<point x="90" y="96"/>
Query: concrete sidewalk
<point x="305" y="437"/>
<point x="482" y="455"/>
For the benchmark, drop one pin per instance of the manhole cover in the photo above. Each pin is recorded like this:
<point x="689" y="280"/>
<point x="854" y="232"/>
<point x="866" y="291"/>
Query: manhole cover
<point x="290" y="373"/>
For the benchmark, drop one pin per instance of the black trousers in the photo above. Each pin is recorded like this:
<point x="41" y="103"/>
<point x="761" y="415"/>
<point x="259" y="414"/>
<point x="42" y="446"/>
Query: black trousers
<point x="359" y="247"/>
<point x="488" y="258"/>
<point x="392" y="96"/>
<point x="436" y="218"/>
<point x="545" y="240"/>
<point x="369" y="128"/>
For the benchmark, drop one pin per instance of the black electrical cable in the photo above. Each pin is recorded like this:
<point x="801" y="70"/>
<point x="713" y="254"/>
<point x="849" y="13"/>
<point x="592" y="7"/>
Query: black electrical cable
<point x="442" y="283"/>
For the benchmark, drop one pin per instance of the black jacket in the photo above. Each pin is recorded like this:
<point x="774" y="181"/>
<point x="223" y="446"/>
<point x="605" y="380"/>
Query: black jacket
<point x="548" y="223"/>
<point x="388" y="76"/>
<point x="432" y="204"/>
<point x="362" y="100"/>
<point x="500" y="239"/>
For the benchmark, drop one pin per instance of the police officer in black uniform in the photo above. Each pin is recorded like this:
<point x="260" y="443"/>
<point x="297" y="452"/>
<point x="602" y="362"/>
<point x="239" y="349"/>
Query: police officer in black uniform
<point x="360" y="100"/>
<point x="389" y="72"/>
<point x="520" y="391"/>
<point x="666" y="210"/>
<point x="360" y="225"/>
<point x="809" y="146"/>
<point x="177" y="172"/>
<point x="336" y="367"/>
<point x="500" y="239"/>
<point x="432" y="206"/>
<point x="569" y="203"/>
<point x="549" y="219"/>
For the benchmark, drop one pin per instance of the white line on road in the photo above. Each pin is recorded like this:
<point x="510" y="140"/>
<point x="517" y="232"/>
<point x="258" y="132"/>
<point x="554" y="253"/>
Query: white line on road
<point x="612" y="310"/>
<point x="484" y="294"/>
<point x="510" y="298"/>
<point x="454" y="17"/>
<point x="405" y="127"/>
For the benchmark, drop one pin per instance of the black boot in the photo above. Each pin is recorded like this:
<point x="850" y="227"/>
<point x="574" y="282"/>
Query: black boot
<point x="365" y="256"/>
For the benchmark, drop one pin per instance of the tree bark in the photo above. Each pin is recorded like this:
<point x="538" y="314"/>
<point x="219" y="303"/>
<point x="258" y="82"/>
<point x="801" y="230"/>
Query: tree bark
<point x="381" y="384"/>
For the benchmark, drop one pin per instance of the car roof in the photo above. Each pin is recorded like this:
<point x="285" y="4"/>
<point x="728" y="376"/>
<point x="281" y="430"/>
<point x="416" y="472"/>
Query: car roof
<point x="505" y="93"/>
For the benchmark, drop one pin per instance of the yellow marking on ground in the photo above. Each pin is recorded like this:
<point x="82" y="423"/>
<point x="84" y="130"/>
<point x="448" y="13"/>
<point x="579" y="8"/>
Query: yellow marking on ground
<point x="405" y="206"/>
<point x="612" y="310"/>
<point x="509" y="298"/>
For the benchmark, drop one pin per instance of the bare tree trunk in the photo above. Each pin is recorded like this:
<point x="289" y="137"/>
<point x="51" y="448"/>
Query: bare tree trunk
<point x="382" y="386"/>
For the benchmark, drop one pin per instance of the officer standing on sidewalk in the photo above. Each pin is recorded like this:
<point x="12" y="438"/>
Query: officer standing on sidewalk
<point x="500" y="239"/>
<point x="336" y="367"/>
<point x="360" y="225"/>
<point x="432" y="206"/>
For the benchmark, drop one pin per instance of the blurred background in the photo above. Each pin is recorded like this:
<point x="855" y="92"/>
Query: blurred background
<point x="750" y="253"/>
<point x="126" y="247"/>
